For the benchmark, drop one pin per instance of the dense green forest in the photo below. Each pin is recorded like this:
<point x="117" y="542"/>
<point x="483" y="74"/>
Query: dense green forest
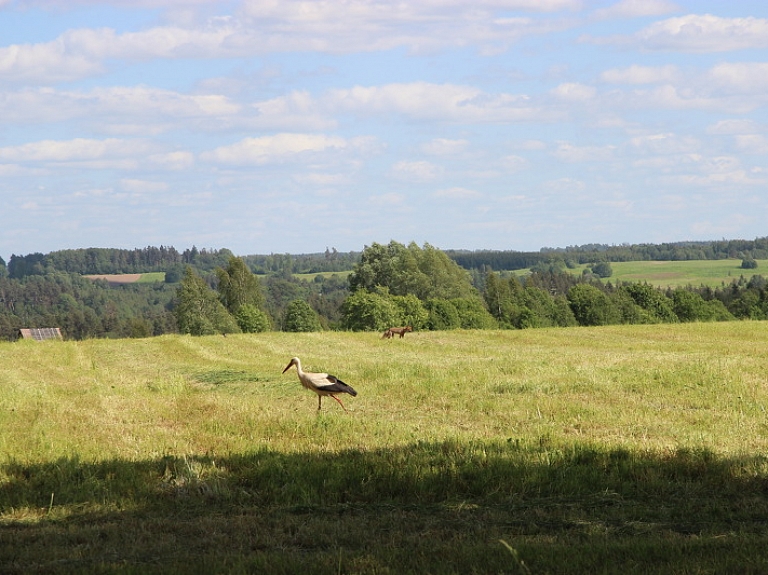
<point x="380" y="286"/>
<point x="95" y="261"/>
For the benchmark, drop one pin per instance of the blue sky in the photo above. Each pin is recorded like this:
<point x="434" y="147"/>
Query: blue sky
<point x="274" y="126"/>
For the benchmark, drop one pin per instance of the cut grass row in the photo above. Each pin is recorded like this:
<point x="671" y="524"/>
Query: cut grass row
<point x="637" y="449"/>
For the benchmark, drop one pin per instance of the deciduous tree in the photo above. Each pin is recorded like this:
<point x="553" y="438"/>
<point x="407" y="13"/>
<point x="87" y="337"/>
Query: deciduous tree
<point x="238" y="286"/>
<point x="300" y="317"/>
<point x="198" y="310"/>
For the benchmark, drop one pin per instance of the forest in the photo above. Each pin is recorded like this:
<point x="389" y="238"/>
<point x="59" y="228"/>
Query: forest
<point x="214" y="291"/>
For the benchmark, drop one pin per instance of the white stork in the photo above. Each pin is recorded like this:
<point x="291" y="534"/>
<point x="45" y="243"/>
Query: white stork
<point x="321" y="383"/>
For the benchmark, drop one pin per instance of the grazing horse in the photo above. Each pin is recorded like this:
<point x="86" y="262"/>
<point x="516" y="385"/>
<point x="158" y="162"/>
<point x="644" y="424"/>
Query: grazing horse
<point x="392" y="331"/>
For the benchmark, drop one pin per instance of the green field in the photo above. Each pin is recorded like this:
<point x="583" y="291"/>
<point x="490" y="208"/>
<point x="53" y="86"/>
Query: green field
<point x="152" y="277"/>
<point x="713" y="273"/>
<point x="311" y="277"/>
<point x="622" y="449"/>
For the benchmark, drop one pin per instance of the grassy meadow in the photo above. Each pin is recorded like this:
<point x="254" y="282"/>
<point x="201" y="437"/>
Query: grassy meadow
<point x="622" y="449"/>
<point x="712" y="273"/>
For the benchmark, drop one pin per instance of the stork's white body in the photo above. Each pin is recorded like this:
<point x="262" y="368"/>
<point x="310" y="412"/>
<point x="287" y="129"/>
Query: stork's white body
<point x="323" y="384"/>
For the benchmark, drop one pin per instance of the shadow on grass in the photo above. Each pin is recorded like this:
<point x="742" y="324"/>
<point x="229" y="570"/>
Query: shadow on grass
<point x="428" y="507"/>
<point x="229" y="376"/>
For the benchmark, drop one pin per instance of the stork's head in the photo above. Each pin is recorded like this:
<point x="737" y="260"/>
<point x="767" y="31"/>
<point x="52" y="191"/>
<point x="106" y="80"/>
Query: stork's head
<point x="294" y="361"/>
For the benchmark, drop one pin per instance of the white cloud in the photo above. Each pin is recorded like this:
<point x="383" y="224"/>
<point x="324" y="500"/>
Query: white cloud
<point x="636" y="9"/>
<point x="48" y="63"/>
<point x="567" y="152"/>
<point x="716" y="179"/>
<point x="705" y="33"/>
<point x="13" y="170"/>
<point x="366" y="25"/>
<point x="739" y="78"/>
<point x="173" y="160"/>
<point x="77" y="150"/>
<point x="641" y="75"/>
<point x="322" y="179"/>
<point x="727" y="226"/>
<point x="457" y="193"/>
<point x="427" y="101"/>
<point x="669" y="97"/>
<point x="261" y="27"/>
<point x="533" y="145"/>
<point x="444" y="147"/>
<point x="141" y="187"/>
<point x="574" y="92"/>
<point x="418" y="171"/>
<point x="296" y="110"/>
<point x="387" y="200"/>
<point x="564" y="185"/>
<point x="145" y="110"/>
<point x="666" y="144"/>
<point x="733" y="126"/>
<point x="753" y="144"/>
<point x="276" y="148"/>
<point x="512" y="163"/>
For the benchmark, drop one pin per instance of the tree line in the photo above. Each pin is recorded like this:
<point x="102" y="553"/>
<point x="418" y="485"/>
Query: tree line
<point x="102" y="261"/>
<point x="213" y="291"/>
<point x="677" y="251"/>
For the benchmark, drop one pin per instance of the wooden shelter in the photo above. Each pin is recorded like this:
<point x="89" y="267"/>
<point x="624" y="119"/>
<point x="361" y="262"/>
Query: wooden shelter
<point x="40" y="333"/>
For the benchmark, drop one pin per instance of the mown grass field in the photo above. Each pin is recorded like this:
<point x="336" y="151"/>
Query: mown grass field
<point x="311" y="277"/>
<point x="712" y="273"/>
<point x="622" y="449"/>
<point x="120" y="279"/>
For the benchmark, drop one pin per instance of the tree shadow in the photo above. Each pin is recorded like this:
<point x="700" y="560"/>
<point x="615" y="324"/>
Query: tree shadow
<point x="438" y="507"/>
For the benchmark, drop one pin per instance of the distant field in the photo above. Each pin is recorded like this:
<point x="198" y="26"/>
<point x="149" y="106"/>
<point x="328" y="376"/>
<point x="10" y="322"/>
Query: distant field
<point x="311" y="277"/>
<point x="665" y="274"/>
<point x="711" y="273"/>
<point x="120" y="279"/>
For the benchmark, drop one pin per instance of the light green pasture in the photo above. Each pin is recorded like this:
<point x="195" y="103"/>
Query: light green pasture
<point x="696" y="273"/>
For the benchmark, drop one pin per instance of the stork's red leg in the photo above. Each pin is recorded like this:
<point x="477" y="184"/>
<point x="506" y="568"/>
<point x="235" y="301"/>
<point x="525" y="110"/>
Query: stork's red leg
<point x="341" y="404"/>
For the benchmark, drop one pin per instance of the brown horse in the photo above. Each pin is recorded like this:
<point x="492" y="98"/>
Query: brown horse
<point x="392" y="331"/>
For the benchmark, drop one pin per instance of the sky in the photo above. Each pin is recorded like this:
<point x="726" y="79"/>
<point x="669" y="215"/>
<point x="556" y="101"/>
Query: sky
<point x="292" y="126"/>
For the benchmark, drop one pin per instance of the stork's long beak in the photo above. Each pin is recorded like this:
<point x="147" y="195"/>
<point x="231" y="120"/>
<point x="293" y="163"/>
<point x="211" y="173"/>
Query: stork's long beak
<point x="287" y="367"/>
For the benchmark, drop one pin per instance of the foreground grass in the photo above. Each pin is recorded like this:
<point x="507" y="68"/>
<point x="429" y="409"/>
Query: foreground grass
<point x="617" y="449"/>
